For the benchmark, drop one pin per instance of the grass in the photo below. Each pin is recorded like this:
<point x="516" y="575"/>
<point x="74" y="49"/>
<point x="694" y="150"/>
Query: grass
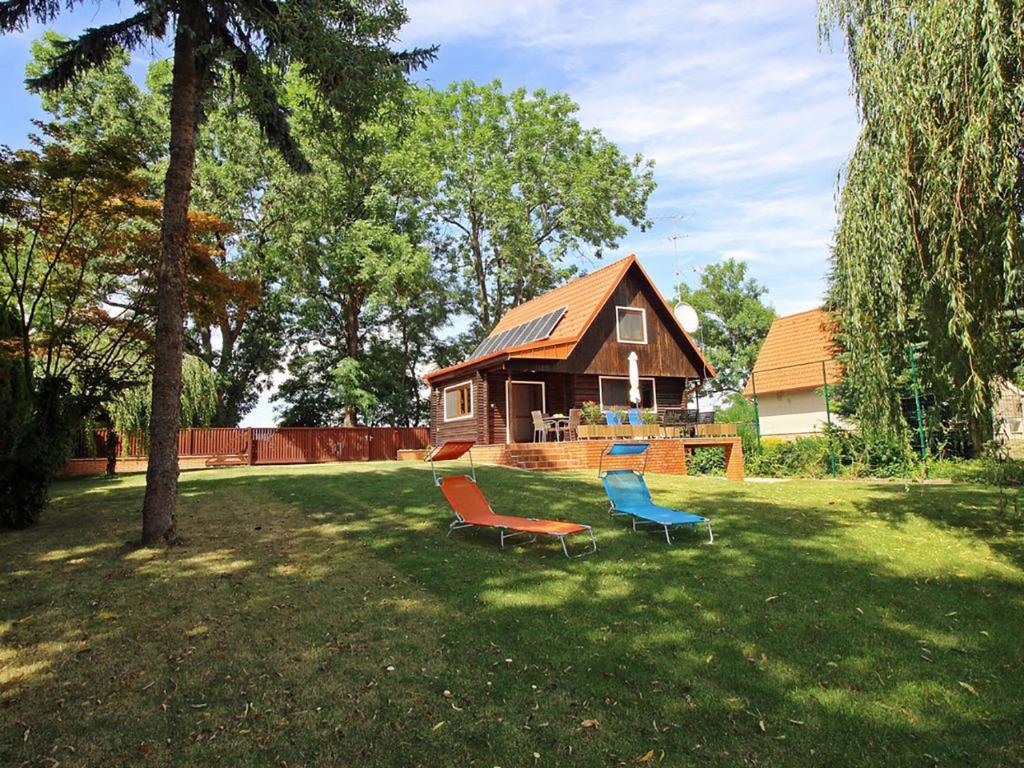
<point x="318" y="616"/>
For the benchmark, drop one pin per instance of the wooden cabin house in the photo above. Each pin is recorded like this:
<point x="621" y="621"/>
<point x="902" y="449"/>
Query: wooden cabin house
<point x="562" y="349"/>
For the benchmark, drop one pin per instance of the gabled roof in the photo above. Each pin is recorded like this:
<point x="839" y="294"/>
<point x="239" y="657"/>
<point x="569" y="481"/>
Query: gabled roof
<point x="582" y="299"/>
<point x="792" y="354"/>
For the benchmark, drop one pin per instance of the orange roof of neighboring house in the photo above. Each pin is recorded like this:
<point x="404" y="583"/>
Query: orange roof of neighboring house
<point x="582" y="298"/>
<point x="792" y="354"/>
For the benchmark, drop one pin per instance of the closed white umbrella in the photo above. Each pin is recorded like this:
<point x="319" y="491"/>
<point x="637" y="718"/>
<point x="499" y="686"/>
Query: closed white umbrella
<point x="634" y="380"/>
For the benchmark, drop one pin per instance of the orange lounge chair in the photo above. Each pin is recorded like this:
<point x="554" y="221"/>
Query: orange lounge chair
<point x="472" y="509"/>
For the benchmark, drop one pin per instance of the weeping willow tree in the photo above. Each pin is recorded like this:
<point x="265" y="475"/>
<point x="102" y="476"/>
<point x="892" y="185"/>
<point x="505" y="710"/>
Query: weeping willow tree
<point x="131" y="410"/>
<point x="928" y="244"/>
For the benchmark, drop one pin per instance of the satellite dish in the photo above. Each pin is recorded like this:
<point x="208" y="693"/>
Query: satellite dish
<point x="687" y="317"/>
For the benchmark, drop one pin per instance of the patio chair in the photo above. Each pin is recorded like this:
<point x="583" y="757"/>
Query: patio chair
<point x="628" y="494"/>
<point x="613" y="418"/>
<point x="635" y="419"/>
<point x="571" y="429"/>
<point x="471" y="508"/>
<point x="672" y="417"/>
<point x="541" y="428"/>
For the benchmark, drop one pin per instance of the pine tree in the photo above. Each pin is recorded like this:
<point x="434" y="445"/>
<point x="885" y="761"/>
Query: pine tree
<point x="342" y="46"/>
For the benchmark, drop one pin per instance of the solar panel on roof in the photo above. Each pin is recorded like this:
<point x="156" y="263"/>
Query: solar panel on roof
<point x="520" y="334"/>
<point x="533" y="330"/>
<point x="548" y="323"/>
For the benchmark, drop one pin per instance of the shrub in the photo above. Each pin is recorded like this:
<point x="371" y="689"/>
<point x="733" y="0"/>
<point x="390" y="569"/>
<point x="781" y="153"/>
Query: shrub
<point x="706" y="461"/>
<point x="33" y="446"/>
<point x="591" y="413"/>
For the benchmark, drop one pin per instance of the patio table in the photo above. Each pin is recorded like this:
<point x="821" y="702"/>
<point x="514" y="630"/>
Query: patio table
<point x="558" y="420"/>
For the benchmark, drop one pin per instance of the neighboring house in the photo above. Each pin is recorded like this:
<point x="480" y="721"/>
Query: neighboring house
<point x="796" y="360"/>
<point x="566" y="347"/>
<point x="1009" y="412"/>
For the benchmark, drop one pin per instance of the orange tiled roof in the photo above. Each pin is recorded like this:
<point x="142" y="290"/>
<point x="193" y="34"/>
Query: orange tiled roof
<point x="582" y="299"/>
<point x="792" y="354"/>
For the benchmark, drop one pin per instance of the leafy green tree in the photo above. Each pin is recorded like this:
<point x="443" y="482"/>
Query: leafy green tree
<point x="343" y="47"/>
<point x="234" y="174"/>
<point x="130" y="410"/>
<point x="236" y="178"/>
<point x="309" y="396"/>
<point x="22" y="495"/>
<point x="352" y="255"/>
<point x="515" y="185"/>
<point x="734" y="321"/>
<point x="408" y="338"/>
<point x="78" y="245"/>
<point x="928" y="246"/>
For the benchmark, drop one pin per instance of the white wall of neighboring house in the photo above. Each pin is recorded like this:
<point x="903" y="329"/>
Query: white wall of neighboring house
<point x="794" y="413"/>
<point x="1009" y="412"/>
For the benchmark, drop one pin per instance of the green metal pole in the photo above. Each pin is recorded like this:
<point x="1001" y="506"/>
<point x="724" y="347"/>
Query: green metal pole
<point x="917" y="402"/>
<point x="828" y="418"/>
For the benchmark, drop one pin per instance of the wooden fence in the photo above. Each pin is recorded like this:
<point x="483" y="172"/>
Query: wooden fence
<point x="210" y="447"/>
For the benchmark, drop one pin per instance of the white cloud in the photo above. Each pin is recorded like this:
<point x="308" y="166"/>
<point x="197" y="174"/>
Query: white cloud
<point x="747" y="120"/>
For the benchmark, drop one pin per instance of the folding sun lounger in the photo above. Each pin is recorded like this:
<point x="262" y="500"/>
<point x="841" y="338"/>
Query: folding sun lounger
<point x="471" y="508"/>
<point x="628" y="494"/>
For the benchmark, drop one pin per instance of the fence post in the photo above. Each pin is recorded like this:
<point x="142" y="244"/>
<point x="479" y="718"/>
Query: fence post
<point x="252" y="447"/>
<point x="828" y="418"/>
<point x="922" y="445"/>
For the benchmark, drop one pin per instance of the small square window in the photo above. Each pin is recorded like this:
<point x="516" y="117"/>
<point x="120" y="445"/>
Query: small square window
<point x="631" y="325"/>
<point x="458" y="401"/>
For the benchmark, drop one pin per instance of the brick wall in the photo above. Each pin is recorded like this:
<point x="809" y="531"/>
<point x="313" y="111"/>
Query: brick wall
<point x="663" y="457"/>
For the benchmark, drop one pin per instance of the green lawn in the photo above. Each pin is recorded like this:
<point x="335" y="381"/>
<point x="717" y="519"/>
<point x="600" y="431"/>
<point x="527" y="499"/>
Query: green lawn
<point x="318" y="616"/>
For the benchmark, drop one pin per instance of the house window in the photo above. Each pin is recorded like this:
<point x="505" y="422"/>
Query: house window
<point x="458" y="401"/>
<point x="614" y="392"/>
<point x="631" y="325"/>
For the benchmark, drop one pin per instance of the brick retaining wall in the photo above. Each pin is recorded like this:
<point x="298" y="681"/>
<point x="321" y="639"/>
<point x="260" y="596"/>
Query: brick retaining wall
<point x="664" y="456"/>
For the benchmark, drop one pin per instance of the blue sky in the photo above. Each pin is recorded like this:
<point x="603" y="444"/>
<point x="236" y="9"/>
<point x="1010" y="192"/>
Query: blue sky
<point x="747" y="119"/>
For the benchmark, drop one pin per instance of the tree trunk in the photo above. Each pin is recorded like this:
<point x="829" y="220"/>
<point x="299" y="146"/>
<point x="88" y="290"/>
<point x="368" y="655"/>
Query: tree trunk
<point x="352" y="349"/>
<point x="158" y="509"/>
<point x="979" y="434"/>
<point x="110" y="448"/>
<point x="480" y="270"/>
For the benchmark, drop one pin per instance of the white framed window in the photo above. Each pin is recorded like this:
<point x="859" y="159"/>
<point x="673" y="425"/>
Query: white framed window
<point x="458" y="401"/>
<point x="631" y="325"/>
<point x="614" y="392"/>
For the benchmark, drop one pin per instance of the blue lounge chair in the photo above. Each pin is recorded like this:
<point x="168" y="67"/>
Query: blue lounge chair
<point x="613" y="418"/>
<point x="628" y="494"/>
<point x="635" y="419"/>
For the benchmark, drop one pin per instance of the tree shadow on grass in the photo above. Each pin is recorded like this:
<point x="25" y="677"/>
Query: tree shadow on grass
<point x="794" y="616"/>
<point x="814" y="631"/>
<point x="964" y="510"/>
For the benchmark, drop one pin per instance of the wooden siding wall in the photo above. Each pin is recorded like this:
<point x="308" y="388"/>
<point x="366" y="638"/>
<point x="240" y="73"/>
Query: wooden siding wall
<point x="668" y="390"/>
<point x="562" y="391"/>
<point x="663" y="355"/>
<point x="463" y="429"/>
<point x="556" y="392"/>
